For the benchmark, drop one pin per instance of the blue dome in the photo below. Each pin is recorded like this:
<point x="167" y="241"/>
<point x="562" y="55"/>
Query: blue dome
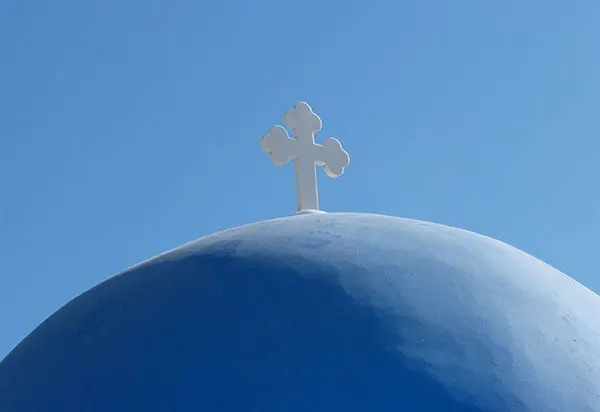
<point x="320" y="312"/>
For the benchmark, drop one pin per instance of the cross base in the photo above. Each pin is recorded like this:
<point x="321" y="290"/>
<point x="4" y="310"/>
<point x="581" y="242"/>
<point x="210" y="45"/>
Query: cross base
<point x="309" y="212"/>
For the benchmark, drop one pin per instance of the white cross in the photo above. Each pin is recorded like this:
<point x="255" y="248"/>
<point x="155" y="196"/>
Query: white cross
<point x="305" y="152"/>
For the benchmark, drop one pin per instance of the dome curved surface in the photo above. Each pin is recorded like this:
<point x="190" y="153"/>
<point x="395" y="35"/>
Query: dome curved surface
<point x="320" y="312"/>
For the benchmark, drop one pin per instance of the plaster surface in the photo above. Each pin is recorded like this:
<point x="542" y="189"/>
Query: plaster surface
<point x="320" y="312"/>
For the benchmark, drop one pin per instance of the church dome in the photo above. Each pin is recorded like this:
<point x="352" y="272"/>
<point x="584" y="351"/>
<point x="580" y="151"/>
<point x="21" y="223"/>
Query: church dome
<point x="320" y="312"/>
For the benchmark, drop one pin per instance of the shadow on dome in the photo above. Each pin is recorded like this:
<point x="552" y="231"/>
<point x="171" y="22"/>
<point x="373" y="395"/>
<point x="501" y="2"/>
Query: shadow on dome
<point x="214" y="331"/>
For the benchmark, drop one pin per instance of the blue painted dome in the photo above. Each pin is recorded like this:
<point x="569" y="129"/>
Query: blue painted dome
<point x="320" y="312"/>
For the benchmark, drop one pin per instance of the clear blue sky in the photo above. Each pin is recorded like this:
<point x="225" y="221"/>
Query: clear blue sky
<point x="130" y="127"/>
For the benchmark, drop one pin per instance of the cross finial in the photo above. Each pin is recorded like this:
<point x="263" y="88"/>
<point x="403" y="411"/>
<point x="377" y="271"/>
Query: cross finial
<point x="306" y="153"/>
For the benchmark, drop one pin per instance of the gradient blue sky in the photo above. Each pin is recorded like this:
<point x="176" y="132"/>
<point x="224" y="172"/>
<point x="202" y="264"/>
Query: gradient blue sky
<point x="130" y="127"/>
